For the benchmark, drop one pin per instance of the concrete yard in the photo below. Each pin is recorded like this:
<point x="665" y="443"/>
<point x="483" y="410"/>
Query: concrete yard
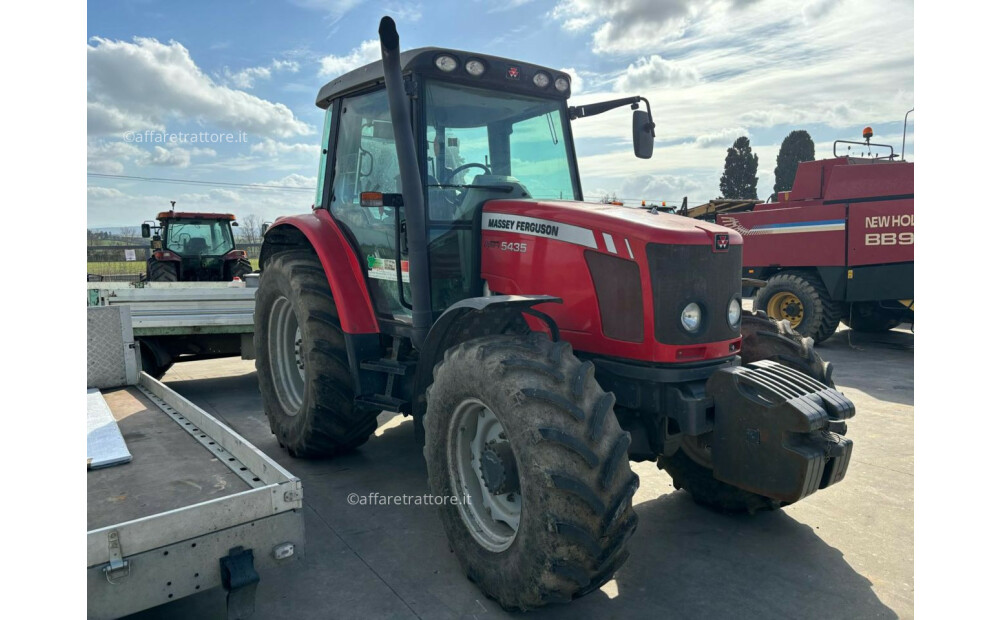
<point x="846" y="552"/>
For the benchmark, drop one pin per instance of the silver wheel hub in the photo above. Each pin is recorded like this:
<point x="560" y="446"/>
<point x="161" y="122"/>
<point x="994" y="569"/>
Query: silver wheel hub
<point x="483" y="475"/>
<point x="288" y="361"/>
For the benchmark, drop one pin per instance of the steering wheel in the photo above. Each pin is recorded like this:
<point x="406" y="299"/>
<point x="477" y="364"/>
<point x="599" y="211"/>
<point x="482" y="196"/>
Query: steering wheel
<point x="465" y="167"/>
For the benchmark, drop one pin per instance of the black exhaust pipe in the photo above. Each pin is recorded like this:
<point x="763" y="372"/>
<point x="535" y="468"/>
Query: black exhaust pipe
<point x="409" y="173"/>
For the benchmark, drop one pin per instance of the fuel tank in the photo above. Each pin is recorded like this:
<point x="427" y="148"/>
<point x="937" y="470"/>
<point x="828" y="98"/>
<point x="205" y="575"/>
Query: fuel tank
<point x="625" y="275"/>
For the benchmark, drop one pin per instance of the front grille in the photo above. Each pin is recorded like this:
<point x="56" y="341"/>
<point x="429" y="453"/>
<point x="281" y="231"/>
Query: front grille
<point x="684" y="273"/>
<point x="619" y="295"/>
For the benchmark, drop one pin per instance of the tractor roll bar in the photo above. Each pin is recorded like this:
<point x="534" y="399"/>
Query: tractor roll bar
<point x="409" y="173"/>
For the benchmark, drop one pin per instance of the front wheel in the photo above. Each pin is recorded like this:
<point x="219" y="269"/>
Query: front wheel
<point x="524" y="448"/>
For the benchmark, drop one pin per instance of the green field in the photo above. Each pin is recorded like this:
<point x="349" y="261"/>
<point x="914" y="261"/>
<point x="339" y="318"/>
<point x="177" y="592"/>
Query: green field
<point x="105" y="268"/>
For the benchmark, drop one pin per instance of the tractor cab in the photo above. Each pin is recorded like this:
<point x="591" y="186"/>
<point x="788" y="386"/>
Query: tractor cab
<point x="194" y="247"/>
<point x="485" y="128"/>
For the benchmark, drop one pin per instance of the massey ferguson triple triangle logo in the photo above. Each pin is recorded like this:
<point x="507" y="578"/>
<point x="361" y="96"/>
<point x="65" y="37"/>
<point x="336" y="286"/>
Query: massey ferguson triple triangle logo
<point x="721" y="242"/>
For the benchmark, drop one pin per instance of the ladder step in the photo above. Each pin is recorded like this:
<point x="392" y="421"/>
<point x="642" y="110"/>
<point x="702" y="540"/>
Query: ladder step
<point x="383" y="402"/>
<point x="388" y="366"/>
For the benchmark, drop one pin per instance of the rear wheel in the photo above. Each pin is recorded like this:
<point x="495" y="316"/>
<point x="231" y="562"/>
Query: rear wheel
<point x="801" y="299"/>
<point x="691" y="465"/>
<point x="161" y="271"/>
<point x="869" y="317"/>
<point x="302" y="365"/>
<point x="520" y="434"/>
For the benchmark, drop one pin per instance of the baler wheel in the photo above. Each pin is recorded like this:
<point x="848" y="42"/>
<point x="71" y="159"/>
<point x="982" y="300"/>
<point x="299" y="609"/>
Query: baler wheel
<point x="800" y="298"/>
<point x="525" y="451"/>
<point x="302" y="365"/>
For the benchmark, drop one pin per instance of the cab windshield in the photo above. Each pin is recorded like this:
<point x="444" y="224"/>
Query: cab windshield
<point x="480" y="142"/>
<point x="199" y="237"/>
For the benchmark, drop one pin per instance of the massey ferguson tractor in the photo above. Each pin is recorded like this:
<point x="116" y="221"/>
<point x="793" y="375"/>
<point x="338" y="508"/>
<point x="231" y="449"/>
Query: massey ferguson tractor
<point x="836" y="248"/>
<point x="450" y="271"/>
<point x="194" y="247"/>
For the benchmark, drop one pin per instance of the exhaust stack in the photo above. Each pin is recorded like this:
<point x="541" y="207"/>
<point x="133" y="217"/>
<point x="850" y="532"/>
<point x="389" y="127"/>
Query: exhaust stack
<point x="409" y="173"/>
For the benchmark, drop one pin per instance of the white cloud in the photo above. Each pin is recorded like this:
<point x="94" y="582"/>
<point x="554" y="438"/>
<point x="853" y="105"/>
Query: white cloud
<point x="103" y="192"/>
<point x="656" y="187"/>
<point x="149" y="82"/>
<point x="626" y="25"/>
<point x="294" y="180"/>
<point x="246" y="78"/>
<point x="334" y="66"/>
<point x="723" y="137"/>
<point x="273" y="148"/>
<point x="655" y="71"/>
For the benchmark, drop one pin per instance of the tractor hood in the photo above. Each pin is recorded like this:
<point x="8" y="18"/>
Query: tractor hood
<point x="601" y="226"/>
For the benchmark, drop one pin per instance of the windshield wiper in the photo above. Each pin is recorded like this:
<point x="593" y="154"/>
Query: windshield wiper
<point x="500" y="188"/>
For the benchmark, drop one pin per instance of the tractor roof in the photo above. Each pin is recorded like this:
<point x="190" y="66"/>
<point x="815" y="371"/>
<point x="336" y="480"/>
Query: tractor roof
<point x="498" y="72"/>
<point x="192" y="215"/>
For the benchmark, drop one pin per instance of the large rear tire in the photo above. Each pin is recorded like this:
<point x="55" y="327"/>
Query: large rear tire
<point x="161" y="271"/>
<point x="691" y="465"/>
<point x="302" y="364"/>
<point x="800" y="298"/>
<point x="520" y="427"/>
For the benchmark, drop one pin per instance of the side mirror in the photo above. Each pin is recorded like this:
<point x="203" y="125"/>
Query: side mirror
<point x="642" y="134"/>
<point x="263" y="228"/>
<point x="235" y="224"/>
<point x="145" y="231"/>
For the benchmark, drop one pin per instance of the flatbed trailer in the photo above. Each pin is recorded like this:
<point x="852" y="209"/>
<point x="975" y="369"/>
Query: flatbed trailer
<point x="197" y="507"/>
<point x="183" y="321"/>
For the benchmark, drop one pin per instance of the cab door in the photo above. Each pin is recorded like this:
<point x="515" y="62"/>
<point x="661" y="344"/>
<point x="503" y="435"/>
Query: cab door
<point x="365" y="161"/>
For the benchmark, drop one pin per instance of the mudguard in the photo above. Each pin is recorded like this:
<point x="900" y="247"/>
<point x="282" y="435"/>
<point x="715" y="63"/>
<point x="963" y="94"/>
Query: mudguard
<point x="339" y="260"/>
<point x="778" y="432"/>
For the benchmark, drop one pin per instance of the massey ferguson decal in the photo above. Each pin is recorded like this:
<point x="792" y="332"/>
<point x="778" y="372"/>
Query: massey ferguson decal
<point x="721" y="242"/>
<point x="518" y="224"/>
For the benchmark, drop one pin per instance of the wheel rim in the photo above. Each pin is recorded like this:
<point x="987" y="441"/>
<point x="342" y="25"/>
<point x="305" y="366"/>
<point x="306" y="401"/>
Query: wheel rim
<point x="492" y="519"/>
<point x="287" y="361"/>
<point x="785" y="306"/>
<point x="698" y="448"/>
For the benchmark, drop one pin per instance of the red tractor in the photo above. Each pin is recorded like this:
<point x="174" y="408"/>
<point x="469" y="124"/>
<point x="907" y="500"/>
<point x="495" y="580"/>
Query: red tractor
<point x="837" y="247"/>
<point x="194" y="247"/>
<point x="450" y="271"/>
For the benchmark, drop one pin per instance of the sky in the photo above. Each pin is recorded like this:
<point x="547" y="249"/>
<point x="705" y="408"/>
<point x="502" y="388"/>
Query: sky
<point x="221" y="95"/>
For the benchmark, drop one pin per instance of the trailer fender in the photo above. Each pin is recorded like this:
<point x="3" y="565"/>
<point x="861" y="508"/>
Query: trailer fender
<point x="467" y="319"/>
<point x="318" y="231"/>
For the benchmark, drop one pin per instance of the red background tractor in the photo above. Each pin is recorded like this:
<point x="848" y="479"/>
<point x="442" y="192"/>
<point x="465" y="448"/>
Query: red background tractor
<point x="194" y="247"/>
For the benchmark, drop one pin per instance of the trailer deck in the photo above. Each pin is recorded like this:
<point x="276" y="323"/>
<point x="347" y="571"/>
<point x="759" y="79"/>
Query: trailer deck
<point x="169" y="468"/>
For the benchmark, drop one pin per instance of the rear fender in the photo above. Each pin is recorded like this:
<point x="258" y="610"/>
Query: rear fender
<point x="318" y="232"/>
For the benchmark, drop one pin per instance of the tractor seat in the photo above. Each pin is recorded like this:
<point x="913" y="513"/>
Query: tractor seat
<point x="196" y="245"/>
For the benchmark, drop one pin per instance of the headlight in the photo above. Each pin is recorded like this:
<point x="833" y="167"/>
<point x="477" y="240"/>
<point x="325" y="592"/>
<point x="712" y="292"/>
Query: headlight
<point x="446" y="63"/>
<point x="475" y="67"/>
<point x="541" y="79"/>
<point x="562" y="84"/>
<point x="735" y="308"/>
<point x="691" y="317"/>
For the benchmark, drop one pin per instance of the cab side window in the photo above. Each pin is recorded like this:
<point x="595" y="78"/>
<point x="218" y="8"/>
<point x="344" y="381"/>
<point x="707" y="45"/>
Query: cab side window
<point x="365" y="161"/>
